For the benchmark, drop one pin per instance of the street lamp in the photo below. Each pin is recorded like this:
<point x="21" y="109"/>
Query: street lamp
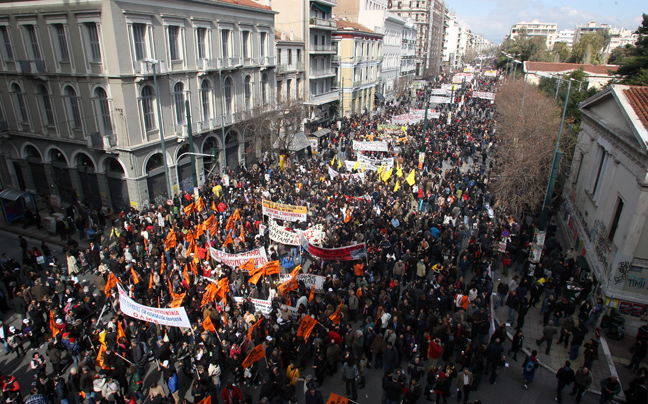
<point x="177" y="161"/>
<point x="154" y="63"/>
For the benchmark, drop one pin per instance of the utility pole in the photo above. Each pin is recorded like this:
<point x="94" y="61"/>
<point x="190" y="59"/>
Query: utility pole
<point x="191" y="146"/>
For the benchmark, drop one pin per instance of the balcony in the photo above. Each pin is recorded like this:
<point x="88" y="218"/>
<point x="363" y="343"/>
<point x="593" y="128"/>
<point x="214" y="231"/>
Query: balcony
<point x="32" y="66"/>
<point x="142" y="67"/>
<point x="268" y="61"/>
<point x="249" y="62"/>
<point x="229" y="62"/>
<point x="102" y="142"/>
<point x="323" y="49"/>
<point x="323" y="98"/>
<point x="357" y="83"/>
<point x="293" y="67"/>
<point x="322" y="23"/>
<point x="316" y="73"/>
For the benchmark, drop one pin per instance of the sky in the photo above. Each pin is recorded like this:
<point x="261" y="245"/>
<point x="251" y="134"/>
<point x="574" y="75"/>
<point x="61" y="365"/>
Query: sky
<point x="493" y="18"/>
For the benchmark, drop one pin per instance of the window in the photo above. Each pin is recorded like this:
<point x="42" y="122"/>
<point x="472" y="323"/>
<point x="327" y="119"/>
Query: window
<point x="228" y="96"/>
<point x="205" y="93"/>
<point x="298" y="55"/>
<point x="178" y="99"/>
<point x="33" y="42"/>
<point x="246" y="45"/>
<point x="615" y="219"/>
<point x="278" y="56"/>
<point x="225" y="42"/>
<point x="264" y="88"/>
<point x="74" y="110"/>
<point x="47" y="105"/>
<point x="104" y="110"/>
<point x="248" y="92"/>
<point x="174" y="52"/>
<point x="288" y="89"/>
<point x="93" y="40"/>
<point x="599" y="170"/>
<point x="8" y="50"/>
<point x="263" y="44"/>
<point x="290" y="56"/>
<point x="298" y="88"/>
<point x="279" y="90"/>
<point x="139" y="41"/>
<point x="200" y="42"/>
<point x="20" y="103"/>
<point x="62" y="42"/>
<point x="147" y="108"/>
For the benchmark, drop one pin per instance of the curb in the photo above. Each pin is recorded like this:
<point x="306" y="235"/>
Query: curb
<point x="18" y="231"/>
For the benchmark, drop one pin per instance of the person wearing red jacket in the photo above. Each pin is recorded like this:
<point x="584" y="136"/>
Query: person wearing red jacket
<point x="232" y="394"/>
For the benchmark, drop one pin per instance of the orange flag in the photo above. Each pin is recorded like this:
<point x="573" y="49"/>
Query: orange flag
<point x="306" y="326"/>
<point x="136" y="278"/>
<point x="171" y="292"/>
<point x="190" y="248"/>
<point x="337" y="315"/>
<point x="150" y="281"/>
<point x="223" y="288"/>
<point x="271" y="268"/>
<point x="311" y="296"/>
<point x="206" y="400"/>
<point x="185" y="275"/>
<point x="211" y="220"/>
<point x="200" y="229"/>
<point x="213" y="207"/>
<point x="200" y="204"/>
<point x="347" y="219"/>
<point x="295" y="271"/>
<point x="52" y="324"/>
<point x="254" y="279"/>
<point x="120" y="331"/>
<point x="111" y="283"/>
<point x="214" y="230"/>
<point x="254" y="327"/>
<point x="248" y="266"/>
<point x="242" y="236"/>
<point x="210" y="293"/>
<point x="100" y="357"/>
<point x="208" y="325"/>
<point x="177" y="300"/>
<point x="162" y="264"/>
<point x="287" y="286"/>
<point x="337" y="399"/>
<point x="232" y="219"/>
<point x="228" y="240"/>
<point x="254" y="355"/>
<point x="170" y="241"/>
<point x="188" y="209"/>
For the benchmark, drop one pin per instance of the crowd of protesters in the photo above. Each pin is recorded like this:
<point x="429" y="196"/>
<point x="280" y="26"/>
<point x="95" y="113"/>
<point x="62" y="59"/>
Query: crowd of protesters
<point x="417" y="307"/>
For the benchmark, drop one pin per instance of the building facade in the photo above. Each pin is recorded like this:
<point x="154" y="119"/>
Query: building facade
<point x="290" y="72"/>
<point x="535" y="28"/>
<point x="606" y="196"/>
<point x="360" y="60"/>
<point x="89" y="90"/>
<point x="312" y="20"/>
<point x="408" y="54"/>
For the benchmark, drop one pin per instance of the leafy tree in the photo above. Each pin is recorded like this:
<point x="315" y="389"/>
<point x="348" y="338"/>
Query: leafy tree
<point x="634" y="68"/>
<point x="588" y="49"/>
<point x="619" y="55"/>
<point x="560" y="52"/>
<point x="533" y="48"/>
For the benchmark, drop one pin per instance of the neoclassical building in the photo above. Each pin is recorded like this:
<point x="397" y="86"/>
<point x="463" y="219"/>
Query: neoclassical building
<point x="80" y="111"/>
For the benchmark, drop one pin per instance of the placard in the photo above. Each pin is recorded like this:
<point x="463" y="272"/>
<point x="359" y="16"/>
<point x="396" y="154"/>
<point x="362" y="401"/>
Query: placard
<point x="176" y="317"/>
<point x="236" y="260"/>
<point x="281" y="211"/>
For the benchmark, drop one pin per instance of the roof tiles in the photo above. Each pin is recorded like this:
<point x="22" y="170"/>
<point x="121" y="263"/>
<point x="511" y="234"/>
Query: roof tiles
<point x="638" y="98"/>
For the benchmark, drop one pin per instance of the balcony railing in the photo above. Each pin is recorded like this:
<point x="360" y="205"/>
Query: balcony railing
<point x="229" y="62"/>
<point x="324" y="97"/>
<point x="283" y="68"/>
<point x="268" y="61"/>
<point x="142" y="67"/>
<point x="321" y="72"/>
<point x="322" y="22"/>
<point x="32" y="66"/>
<point x="322" y="48"/>
<point x="357" y="83"/>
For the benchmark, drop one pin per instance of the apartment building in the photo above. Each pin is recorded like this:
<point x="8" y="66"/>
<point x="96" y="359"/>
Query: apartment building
<point x="408" y="52"/>
<point x="312" y="21"/>
<point x="360" y="53"/>
<point x="549" y="30"/>
<point x="96" y="97"/>
<point x="290" y="71"/>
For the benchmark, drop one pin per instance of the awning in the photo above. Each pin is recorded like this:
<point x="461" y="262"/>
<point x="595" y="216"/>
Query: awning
<point x="12" y="194"/>
<point x="295" y="142"/>
<point x="321" y="132"/>
<point x="325" y="9"/>
<point x="380" y="96"/>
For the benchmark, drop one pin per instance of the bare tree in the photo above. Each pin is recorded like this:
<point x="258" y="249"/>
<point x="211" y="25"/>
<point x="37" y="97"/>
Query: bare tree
<point x="527" y="140"/>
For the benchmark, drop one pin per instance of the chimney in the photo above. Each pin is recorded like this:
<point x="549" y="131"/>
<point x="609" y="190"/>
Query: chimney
<point x="292" y="35"/>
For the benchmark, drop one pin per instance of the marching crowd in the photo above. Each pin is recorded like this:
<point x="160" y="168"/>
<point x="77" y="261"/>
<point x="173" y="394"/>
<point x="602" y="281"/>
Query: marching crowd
<point x="416" y="306"/>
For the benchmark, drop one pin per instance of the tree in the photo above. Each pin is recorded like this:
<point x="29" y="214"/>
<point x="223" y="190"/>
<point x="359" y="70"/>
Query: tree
<point x="580" y="91"/>
<point x="619" y="55"/>
<point x="532" y="48"/>
<point x="560" y="52"/>
<point x="634" y="68"/>
<point x="588" y="49"/>
<point x="527" y="141"/>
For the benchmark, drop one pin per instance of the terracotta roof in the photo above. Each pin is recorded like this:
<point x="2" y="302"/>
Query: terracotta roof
<point x="563" y="67"/>
<point x="247" y="3"/>
<point x="638" y="98"/>
<point x="341" y="24"/>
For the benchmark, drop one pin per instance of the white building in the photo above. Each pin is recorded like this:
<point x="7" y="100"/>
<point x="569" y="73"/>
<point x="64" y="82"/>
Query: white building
<point x="408" y="52"/>
<point x="82" y="110"/>
<point x="549" y="30"/>
<point x="620" y="37"/>
<point x="455" y="41"/>
<point x="596" y="75"/>
<point x="606" y="195"/>
<point x="566" y="36"/>
<point x="290" y="71"/>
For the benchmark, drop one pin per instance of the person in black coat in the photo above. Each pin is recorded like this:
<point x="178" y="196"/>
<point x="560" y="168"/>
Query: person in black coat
<point x="313" y="396"/>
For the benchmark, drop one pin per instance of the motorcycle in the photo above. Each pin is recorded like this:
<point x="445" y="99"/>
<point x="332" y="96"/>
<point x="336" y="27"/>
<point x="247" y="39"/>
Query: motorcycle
<point x="614" y="324"/>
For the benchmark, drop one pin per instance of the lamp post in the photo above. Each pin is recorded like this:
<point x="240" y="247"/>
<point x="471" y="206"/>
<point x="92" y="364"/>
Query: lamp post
<point x="154" y="63"/>
<point x="515" y="63"/>
<point x="177" y="160"/>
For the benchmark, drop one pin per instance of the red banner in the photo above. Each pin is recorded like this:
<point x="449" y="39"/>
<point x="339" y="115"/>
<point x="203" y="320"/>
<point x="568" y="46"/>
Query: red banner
<point x="348" y="253"/>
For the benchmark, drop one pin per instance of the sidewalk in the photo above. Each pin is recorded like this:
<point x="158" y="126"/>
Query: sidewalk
<point x="613" y="355"/>
<point x="33" y="235"/>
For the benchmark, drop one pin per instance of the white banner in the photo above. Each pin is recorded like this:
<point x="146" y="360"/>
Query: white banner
<point x="388" y="162"/>
<point x="441" y="91"/>
<point x="175" y="317"/>
<point x="432" y="113"/>
<point x="236" y="260"/>
<point x="370" y="146"/>
<point x="287" y="237"/>
<point x="490" y="73"/>
<point x="308" y="280"/>
<point x="367" y="166"/>
<point x="435" y="99"/>
<point x="263" y="306"/>
<point x="484" y="95"/>
<point x="355" y="176"/>
<point x="281" y="211"/>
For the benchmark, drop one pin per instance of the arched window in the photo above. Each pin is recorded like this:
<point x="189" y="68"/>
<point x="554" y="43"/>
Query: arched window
<point x="264" y="88"/>
<point x="205" y="96"/>
<point x="178" y="99"/>
<point x="228" y="96"/>
<point x="20" y="103"/>
<point x="104" y="110"/>
<point x="47" y="105"/>
<point x="248" y="92"/>
<point x="147" y="108"/>
<point x="74" y="110"/>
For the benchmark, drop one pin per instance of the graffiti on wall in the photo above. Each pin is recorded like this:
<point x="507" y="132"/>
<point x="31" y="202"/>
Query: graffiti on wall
<point x="622" y="269"/>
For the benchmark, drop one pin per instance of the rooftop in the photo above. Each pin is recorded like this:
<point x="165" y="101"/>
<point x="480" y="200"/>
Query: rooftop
<point x="638" y="99"/>
<point x="246" y="3"/>
<point x="567" y="67"/>
<point x="344" y="24"/>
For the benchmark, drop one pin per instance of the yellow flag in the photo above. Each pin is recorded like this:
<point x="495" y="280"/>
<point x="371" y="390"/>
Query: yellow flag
<point x="397" y="187"/>
<point x="339" y="164"/>
<point x="380" y="169"/>
<point x="356" y="165"/>
<point x="399" y="172"/>
<point x="363" y="166"/>
<point x="411" y="178"/>
<point x="333" y="161"/>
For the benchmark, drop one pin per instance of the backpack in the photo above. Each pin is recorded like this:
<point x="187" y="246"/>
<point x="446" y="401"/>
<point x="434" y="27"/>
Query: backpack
<point x="507" y="261"/>
<point x="530" y="365"/>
